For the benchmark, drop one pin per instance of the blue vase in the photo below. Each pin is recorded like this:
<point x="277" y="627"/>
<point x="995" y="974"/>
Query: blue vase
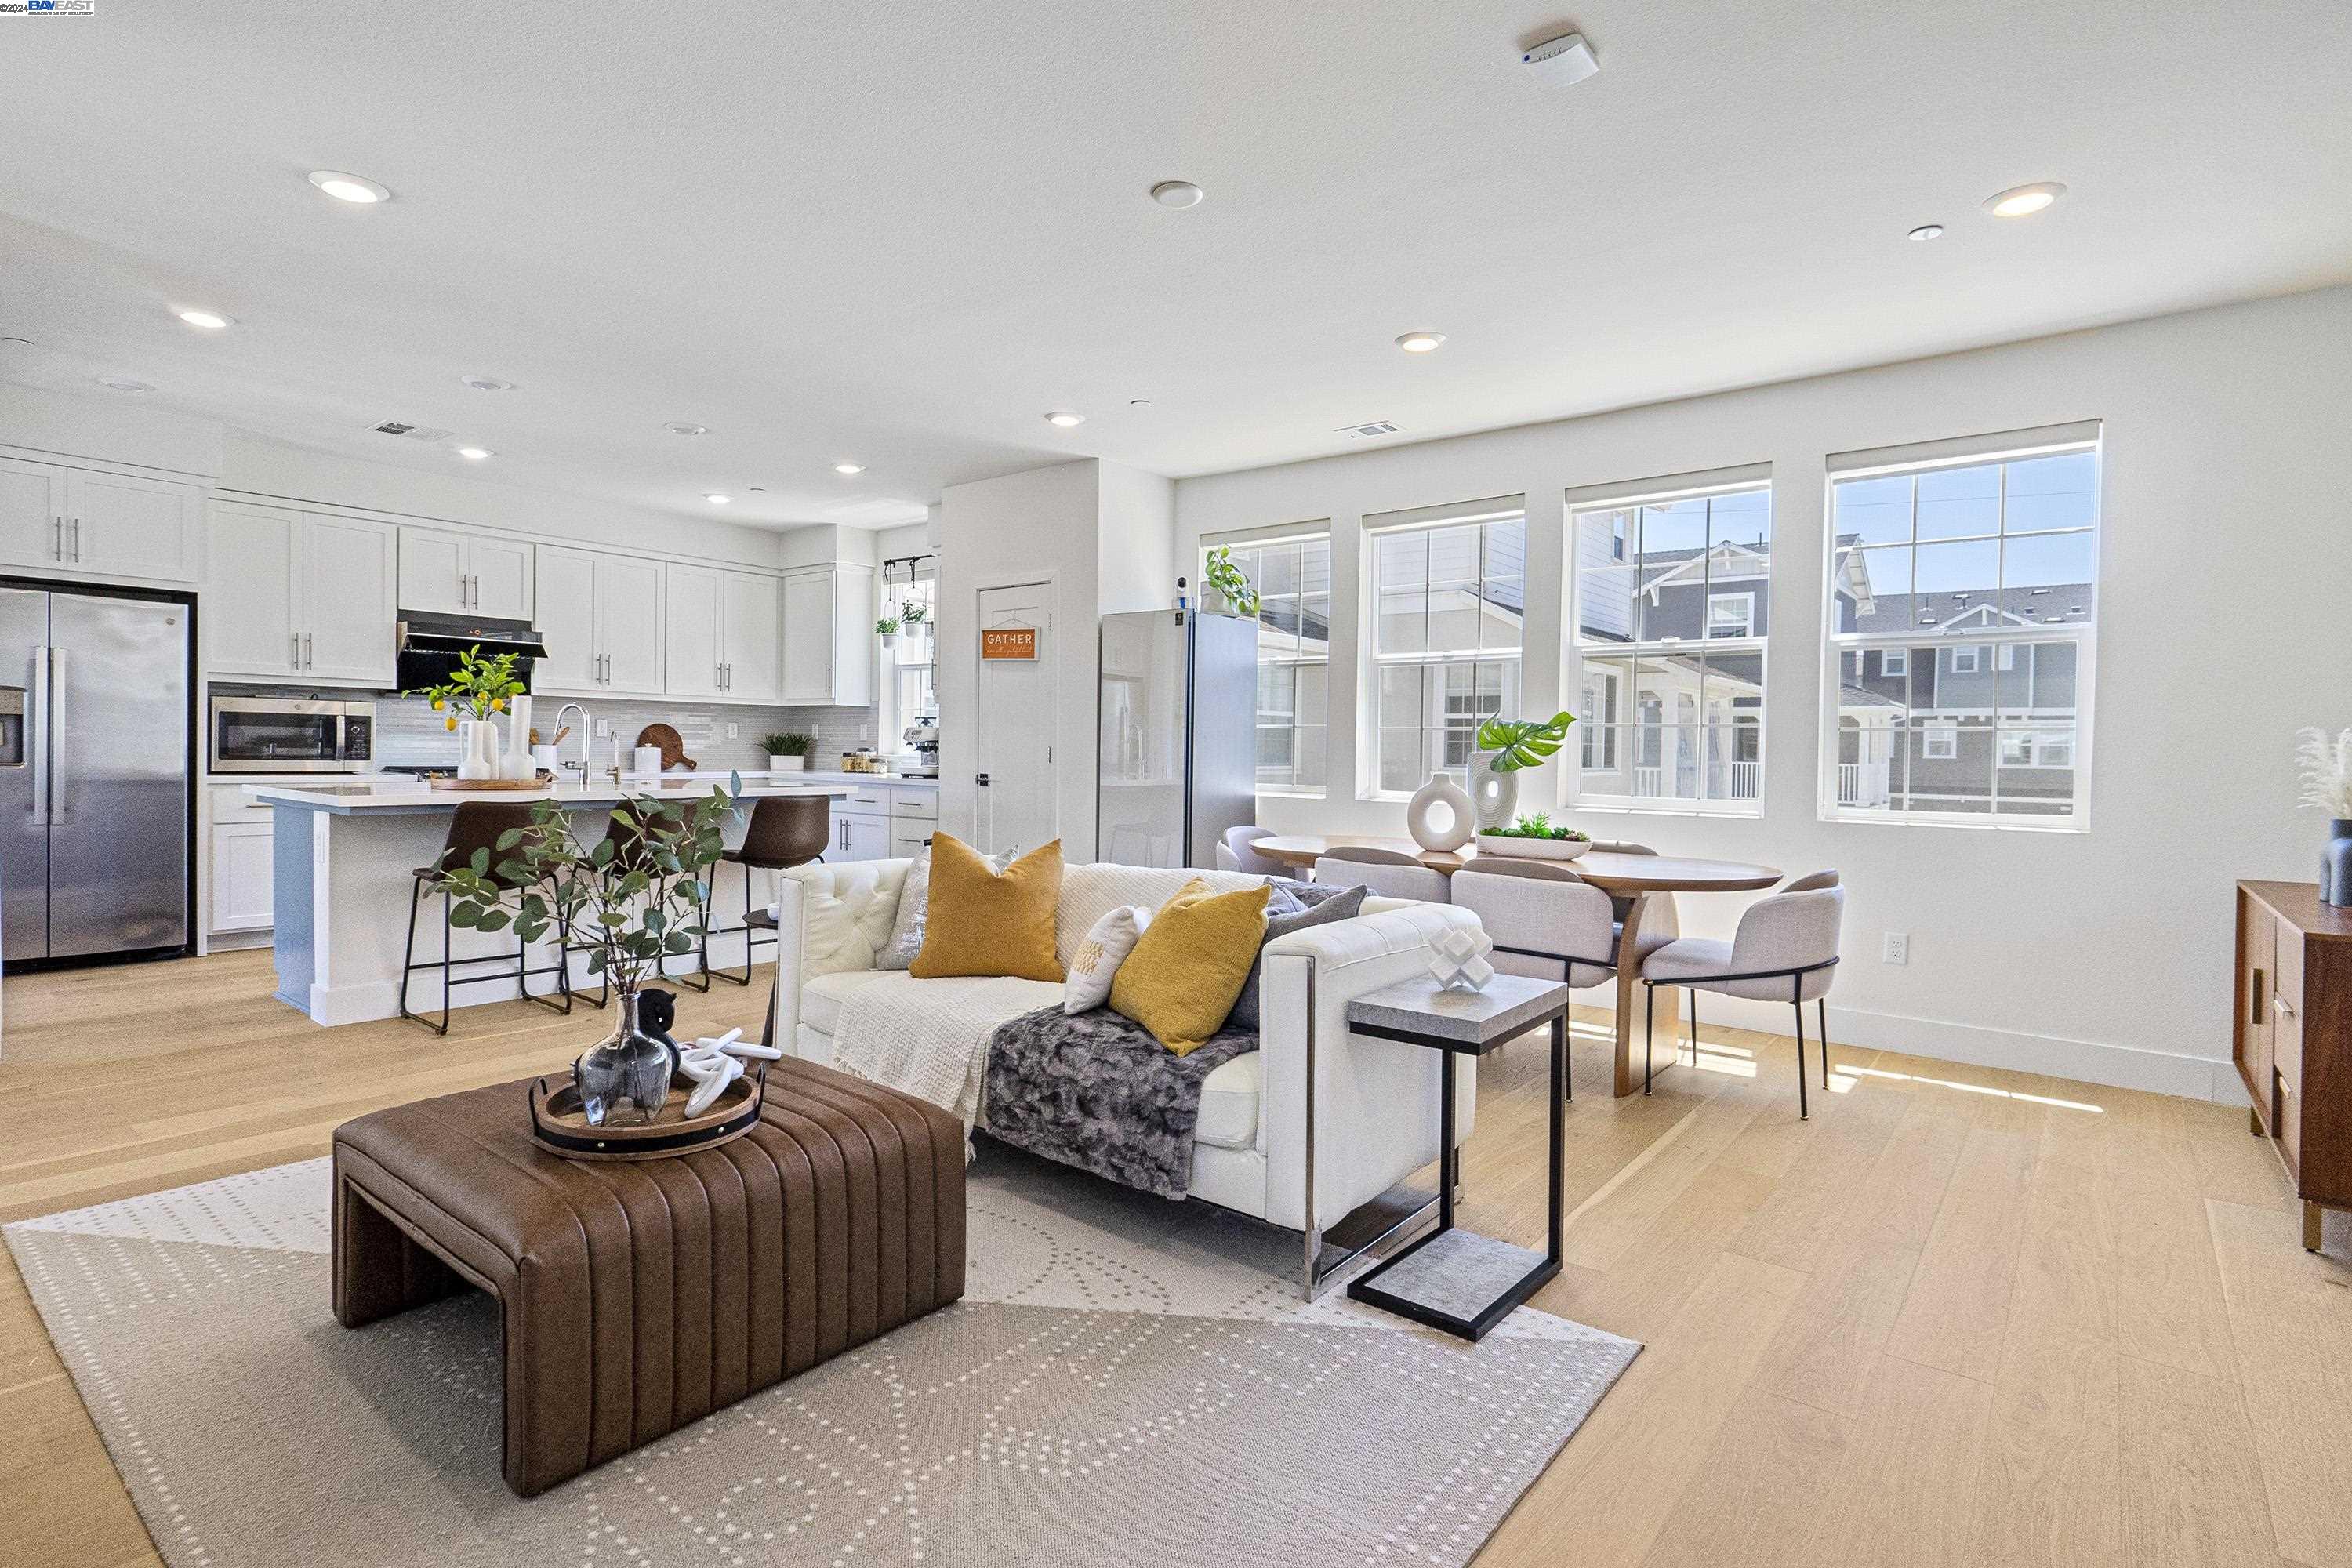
<point x="2336" y="865"/>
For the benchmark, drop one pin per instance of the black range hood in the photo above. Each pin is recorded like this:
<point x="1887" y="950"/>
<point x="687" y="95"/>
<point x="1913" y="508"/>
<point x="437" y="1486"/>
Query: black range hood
<point x="430" y="643"/>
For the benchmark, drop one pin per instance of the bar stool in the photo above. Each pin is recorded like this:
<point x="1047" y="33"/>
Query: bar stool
<point x="477" y="826"/>
<point x="785" y="830"/>
<point x="622" y="831"/>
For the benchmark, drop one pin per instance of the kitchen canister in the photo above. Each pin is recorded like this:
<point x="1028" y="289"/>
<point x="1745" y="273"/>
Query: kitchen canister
<point x="645" y="760"/>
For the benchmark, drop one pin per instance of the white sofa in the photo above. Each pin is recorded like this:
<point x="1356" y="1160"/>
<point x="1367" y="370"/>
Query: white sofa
<point x="1266" y="1146"/>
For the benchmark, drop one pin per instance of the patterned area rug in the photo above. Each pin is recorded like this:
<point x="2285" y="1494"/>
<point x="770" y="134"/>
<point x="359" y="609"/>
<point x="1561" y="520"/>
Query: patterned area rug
<point x="1127" y="1380"/>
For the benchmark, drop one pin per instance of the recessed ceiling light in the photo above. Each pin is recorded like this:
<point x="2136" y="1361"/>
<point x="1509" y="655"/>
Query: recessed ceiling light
<point x="487" y="383"/>
<point x="1928" y="231"/>
<point x="210" y="320"/>
<point x="1177" y="193"/>
<point x="849" y="468"/>
<point x="717" y="500"/>
<point x="2023" y="200"/>
<point x="1065" y="419"/>
<point x="473" y="453"/>
<point x="124" y="384"/>
<point x="350" y="188"/>
<point x="680" y="427"/>
<point x="1420" y="342"/>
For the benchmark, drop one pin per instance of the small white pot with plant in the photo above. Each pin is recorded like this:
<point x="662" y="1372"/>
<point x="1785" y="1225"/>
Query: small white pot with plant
<point x="1225" y="587"/>
<point x="788" y="751"/>
<point x="1534" y="838"/>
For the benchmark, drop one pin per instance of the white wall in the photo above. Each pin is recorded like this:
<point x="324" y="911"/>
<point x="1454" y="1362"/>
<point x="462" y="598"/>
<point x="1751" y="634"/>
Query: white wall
<point x="2226" y="576"/>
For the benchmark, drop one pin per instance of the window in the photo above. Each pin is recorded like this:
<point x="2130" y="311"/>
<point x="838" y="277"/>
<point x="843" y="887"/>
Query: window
<point x="907" y="693"/>
<point x="1672" y="602"/>
<point x="1449" y="591"/>
<point x="1961" y="610"/>
<point x="1292" y="575"/>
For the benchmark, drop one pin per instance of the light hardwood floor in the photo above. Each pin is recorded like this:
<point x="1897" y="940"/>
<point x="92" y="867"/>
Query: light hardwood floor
<point x="1963" y="1316"/>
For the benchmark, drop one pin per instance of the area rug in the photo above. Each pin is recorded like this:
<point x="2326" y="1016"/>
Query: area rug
<point x="1127" y="1380"/>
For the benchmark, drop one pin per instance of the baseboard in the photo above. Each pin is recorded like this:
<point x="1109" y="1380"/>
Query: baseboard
<point x="1973" y="1045"/>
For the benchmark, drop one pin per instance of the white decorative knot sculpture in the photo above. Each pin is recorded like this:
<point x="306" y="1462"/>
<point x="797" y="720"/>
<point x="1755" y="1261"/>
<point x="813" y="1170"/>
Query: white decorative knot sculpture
<point x="1458" y="959"/>
<point x="713" y="1065"/>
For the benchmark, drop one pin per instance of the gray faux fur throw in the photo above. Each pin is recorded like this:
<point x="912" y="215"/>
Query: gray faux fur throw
<point x="1097" y="1091"/>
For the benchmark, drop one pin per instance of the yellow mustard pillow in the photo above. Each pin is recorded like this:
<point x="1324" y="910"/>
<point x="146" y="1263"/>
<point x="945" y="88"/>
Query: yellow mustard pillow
<point x="984" y="922"/>
<point x="1190" y="963"/>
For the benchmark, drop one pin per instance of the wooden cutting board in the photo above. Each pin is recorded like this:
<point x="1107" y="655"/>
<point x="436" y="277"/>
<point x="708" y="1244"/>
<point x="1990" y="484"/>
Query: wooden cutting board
<point x="670" y="744"/>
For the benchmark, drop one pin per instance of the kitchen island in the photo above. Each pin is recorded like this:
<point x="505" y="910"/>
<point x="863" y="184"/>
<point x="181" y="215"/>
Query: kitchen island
<point x="343" y="881"/>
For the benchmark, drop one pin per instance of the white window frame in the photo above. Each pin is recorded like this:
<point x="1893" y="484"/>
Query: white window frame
<point x="1895" y="661"/>
<point x="1632" y="497"/>
<point x="1317" y="531"/>
<point x="2047" y="441"/>
<point x="1970" y="655"/>
<point x="1939" y="743"/>
<point x="1747" y="604"/>
<point x="1375" y="663"/>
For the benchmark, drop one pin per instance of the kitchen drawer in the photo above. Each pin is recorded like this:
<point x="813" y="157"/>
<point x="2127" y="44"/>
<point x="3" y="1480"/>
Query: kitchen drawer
<point x="231" y="804"/>
<point x="907" y="841"/>
<point x="865" y="799"/>
<point x="921" y="804"/>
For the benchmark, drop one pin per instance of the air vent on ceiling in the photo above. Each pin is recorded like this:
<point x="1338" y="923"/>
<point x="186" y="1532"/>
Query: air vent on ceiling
<point x="1366" y="432"/>
<point x="411" y="432"/>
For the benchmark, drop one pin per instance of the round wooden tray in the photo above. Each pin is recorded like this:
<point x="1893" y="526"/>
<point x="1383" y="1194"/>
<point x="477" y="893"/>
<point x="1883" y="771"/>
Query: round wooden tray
<point x="540" y="782"/>
<point x="562" y="1127"/>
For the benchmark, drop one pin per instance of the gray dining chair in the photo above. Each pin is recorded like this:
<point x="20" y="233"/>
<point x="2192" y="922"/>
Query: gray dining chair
<point x="1620" y="847"/>
<point x="1235" y="854"/>
<point x="1544" y="921"/>
<point x="1388" y="872"/>
<point x="1785" y="949"/>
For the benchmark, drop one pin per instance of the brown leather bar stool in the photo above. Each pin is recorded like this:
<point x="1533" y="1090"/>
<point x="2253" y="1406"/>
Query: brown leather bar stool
<point x="785" y="830"/>
<point x="477" y="826"/>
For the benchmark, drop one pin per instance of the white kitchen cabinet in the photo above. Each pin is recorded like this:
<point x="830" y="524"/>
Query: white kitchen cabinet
<point x="602" y="618"/>
<point x="690" y="640"/>
<point x="457" y="573"/>
<point x="829" y="637"/>
<point x="908" y="840"/>
<point x="300" y="597"/>
<point x="243" y="869"/>
<point x="858" y="836"/>
<point x="752" y="631"/>
<point x="32" y="513"/>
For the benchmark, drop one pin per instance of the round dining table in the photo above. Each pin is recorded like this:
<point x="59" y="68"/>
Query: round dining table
<point x="1643" y="886"/>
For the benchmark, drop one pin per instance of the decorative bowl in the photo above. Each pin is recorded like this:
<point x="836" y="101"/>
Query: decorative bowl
<point x="1532" y="849"/>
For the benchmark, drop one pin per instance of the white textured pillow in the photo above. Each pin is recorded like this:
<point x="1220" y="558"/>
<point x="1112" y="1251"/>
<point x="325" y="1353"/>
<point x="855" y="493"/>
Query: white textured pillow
<point x="1108" y="941"/>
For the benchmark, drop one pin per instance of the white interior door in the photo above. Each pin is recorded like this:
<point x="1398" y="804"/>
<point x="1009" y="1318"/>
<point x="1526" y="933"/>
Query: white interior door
<point x="1016" y="802"/>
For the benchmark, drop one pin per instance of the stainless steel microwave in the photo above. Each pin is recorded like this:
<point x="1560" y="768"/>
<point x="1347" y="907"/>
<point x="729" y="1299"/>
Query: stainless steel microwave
<point x="291" y="735"/>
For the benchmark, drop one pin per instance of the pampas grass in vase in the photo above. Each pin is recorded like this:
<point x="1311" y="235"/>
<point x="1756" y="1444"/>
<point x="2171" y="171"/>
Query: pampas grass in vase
<point x="2327" y="784"/>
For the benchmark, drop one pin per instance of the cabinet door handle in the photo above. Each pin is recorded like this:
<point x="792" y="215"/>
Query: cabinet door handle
<point x="2282" y="1007"/>
<point x="77" y="541"/>
<point x="294" y="649"/>
<point x="57" y="545"/>
<point x="310" y="654"/>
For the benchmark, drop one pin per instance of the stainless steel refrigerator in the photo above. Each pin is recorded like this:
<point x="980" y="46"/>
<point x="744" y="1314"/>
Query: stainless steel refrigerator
<point x="1176" y="735"/>
<point x="95" y="802"/>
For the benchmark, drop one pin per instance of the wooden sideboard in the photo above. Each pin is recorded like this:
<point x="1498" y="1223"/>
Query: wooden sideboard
<point x="2293" y="1037"/>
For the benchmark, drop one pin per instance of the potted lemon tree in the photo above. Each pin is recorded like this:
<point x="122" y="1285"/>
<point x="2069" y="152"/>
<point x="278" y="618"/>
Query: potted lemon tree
<point x="475" y="690"/>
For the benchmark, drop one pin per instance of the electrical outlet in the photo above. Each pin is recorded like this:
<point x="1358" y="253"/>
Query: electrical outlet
<point x="603" y="729"/>
<point x="1898" y="947"/>
<point x="732" y="730"/>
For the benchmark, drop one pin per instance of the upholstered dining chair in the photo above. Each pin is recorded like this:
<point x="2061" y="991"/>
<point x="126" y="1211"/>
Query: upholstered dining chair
<point x="1621" y="847"/>
<point x="1388" y="872"/>
<point x="1785" y="949"/>
<point x="1544" y="921"/>
<point x="1235" y="854"/>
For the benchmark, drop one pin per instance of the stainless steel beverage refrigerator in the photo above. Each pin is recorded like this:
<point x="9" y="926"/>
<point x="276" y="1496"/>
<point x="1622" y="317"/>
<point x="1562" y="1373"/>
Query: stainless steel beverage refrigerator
<point x="96" y="801"/>
<point x="1176" y="735"/>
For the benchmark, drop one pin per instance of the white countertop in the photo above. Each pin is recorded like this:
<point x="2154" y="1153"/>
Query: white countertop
<point x="415" y="796"/>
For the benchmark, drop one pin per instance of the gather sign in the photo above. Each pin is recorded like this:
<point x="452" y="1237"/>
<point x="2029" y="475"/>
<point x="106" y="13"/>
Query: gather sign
<point x="1008" y="642"/>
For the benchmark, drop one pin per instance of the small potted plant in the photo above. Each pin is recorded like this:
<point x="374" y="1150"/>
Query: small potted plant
<point x="1534" y="838"/>
<point x="887" y="628"/>
<point x="478" y="687"/>
<point x="1506" y="746"/>
<point x="788" y="751"/>
<point x="1225" y="587"/>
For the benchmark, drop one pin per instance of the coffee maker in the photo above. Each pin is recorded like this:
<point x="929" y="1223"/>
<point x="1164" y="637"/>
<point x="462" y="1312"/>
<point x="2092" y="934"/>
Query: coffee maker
<point x="922" y="738"/>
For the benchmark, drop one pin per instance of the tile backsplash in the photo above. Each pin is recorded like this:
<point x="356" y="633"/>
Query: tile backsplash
<point x="409" y="735"/>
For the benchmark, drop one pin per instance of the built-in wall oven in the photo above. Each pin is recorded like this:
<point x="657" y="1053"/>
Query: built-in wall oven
<point x="291" y="735"/>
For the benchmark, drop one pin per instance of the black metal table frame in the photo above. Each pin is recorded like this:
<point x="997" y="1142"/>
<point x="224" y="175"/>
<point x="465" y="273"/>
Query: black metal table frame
<point x="1366" y="1287"/>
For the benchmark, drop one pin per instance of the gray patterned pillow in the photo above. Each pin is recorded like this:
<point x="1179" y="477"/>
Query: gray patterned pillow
<point x="1340" y="904"/>
<point x="914" y="906"/>
<point x="1305" y="895"/>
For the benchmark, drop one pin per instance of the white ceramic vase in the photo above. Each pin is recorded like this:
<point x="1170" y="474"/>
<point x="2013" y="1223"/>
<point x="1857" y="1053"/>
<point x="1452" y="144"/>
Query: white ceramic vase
<point x="517" y="764"/>
<point x="781" y="765"/>
<point x="1493" y="797"/>
<point x="1440" y="791"/>
<point x="478" y="749"/>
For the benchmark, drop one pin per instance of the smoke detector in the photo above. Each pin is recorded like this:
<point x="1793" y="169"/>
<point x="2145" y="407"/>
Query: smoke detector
<point x="1367" y="432"/>
<point x="1562" y="61"/>
<point x="411" y="432"/>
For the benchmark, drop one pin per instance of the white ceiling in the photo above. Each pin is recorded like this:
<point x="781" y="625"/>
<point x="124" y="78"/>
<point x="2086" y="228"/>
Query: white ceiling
<point x="900" y="233"/>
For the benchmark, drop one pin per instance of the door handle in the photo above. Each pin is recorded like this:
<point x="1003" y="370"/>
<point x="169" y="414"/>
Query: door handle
<point x="57" y="545"/>
<point x="37" y="741"/>
<point x="980" y="779"/>
<point x="77" y="541"/>
<point x="54" y="723"/>
<point x="309" y="660"/>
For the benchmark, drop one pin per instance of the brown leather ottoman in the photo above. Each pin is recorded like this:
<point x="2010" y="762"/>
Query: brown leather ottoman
<point x="638" y="1298"/>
